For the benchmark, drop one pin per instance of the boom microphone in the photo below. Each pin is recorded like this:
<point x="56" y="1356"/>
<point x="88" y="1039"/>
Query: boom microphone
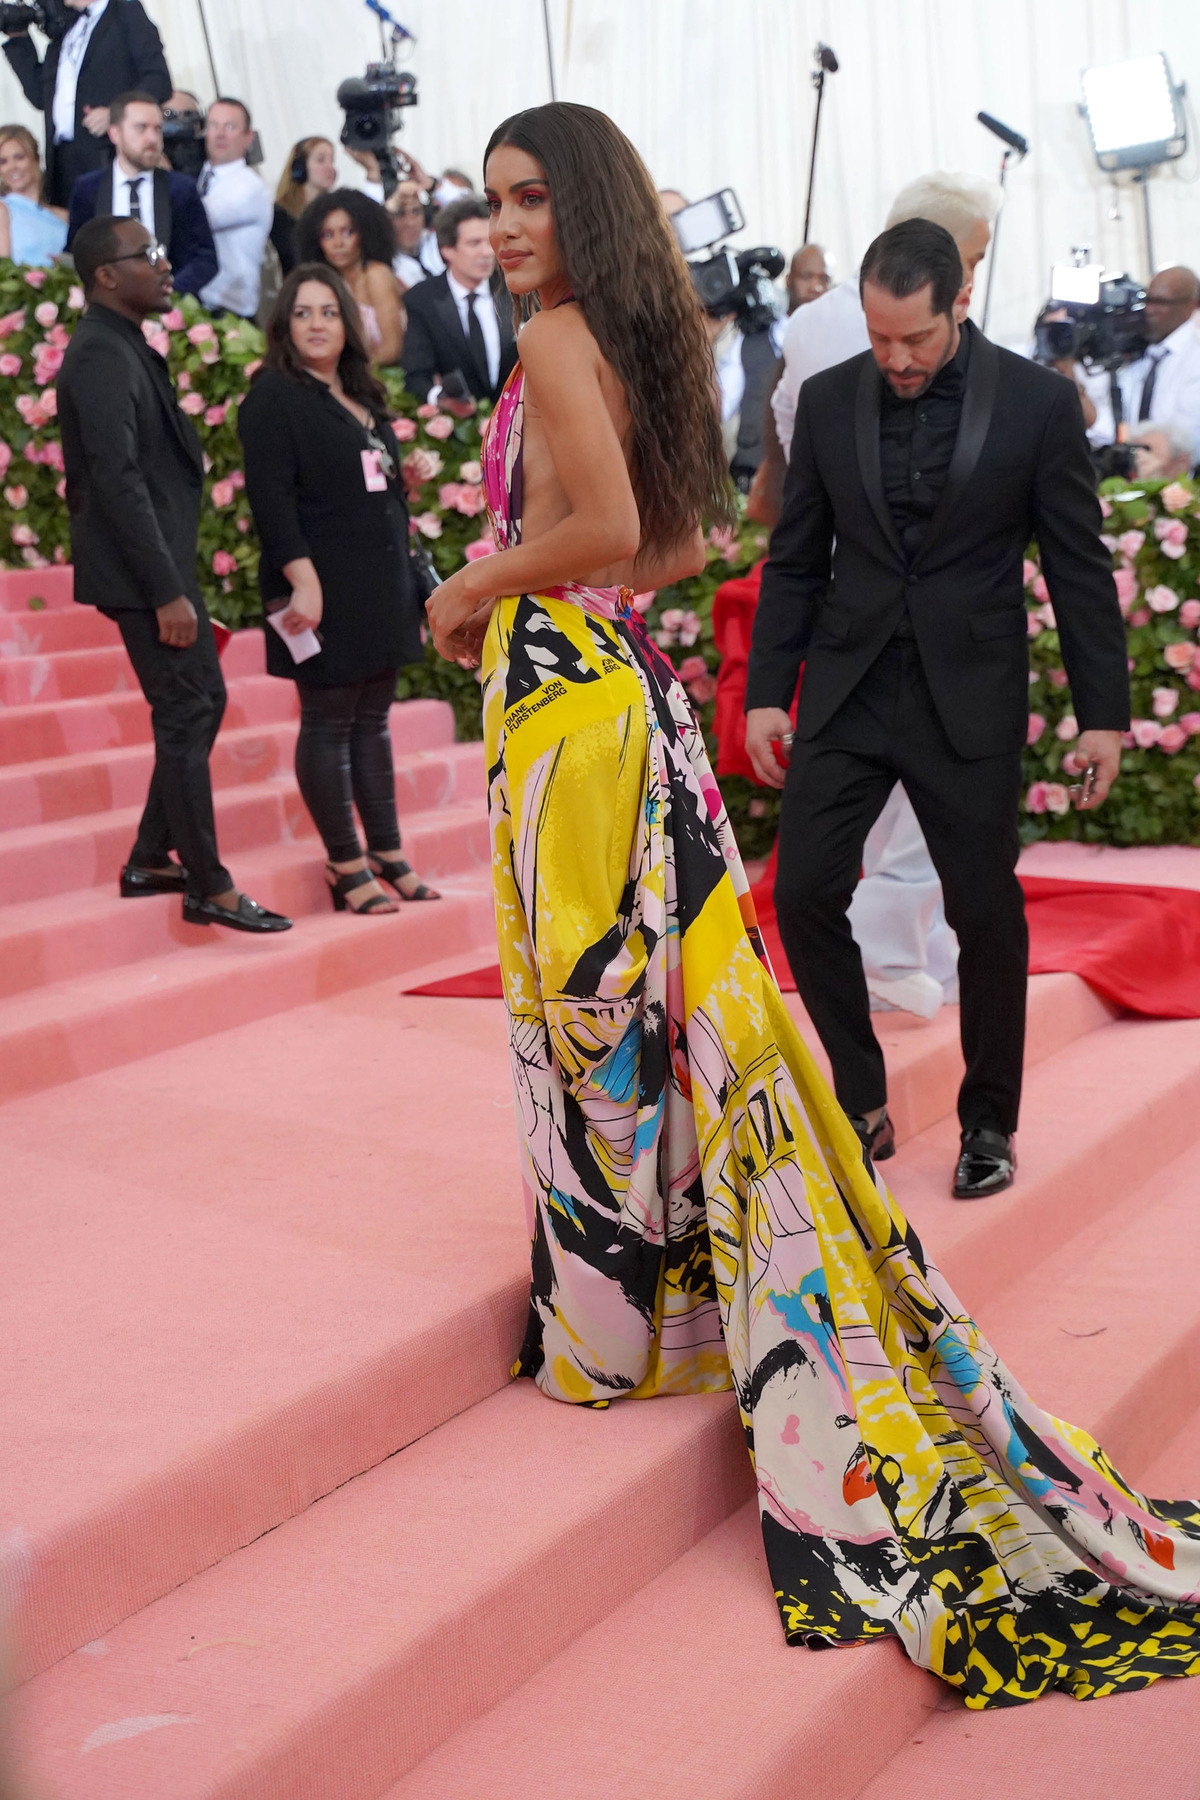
<point x="1013" y="139"/>
<point x="827" y="59"/>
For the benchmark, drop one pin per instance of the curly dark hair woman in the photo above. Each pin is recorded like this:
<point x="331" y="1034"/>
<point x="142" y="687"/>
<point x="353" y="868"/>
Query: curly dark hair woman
<point x="353" y="234"/>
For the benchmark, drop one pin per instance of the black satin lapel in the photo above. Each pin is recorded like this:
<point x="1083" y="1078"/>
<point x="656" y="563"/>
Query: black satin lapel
<point x="978" y="401"/>
<point x="866" y="437"/>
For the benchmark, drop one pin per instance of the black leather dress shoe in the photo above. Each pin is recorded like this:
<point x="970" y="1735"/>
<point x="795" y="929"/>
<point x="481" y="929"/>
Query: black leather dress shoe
<point x="135" y="881"/>
<point x="987" y="1165"/>
<point x="878" y="1144"/>
<point x="247" y="915"/>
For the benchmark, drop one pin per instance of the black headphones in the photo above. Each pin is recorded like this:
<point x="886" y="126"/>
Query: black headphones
<point x="299" y="169"/>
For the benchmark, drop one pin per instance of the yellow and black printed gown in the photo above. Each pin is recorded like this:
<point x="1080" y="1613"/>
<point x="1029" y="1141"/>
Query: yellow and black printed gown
<point x="702" y="1217"/>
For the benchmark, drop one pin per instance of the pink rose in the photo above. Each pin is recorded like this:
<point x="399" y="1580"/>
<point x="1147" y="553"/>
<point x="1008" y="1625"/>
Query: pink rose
<point x="689" y="629"/>
<point x="1161" y="599"/>
<point x="47" y="361"/>
<point x="672" y="619"/>
<point x="222" y="493"/>
<point x="702" y="689"/>
<point x="1035" y="799"/>
<point x="217" y="415"/>
<point x="1164" y="702"/>
<point x="1029" y="572"/>
<point x="1057" y="798"/>
<point x="1196" y="783"/>
<point x="75" y="299"/>
<point x="1130" y="542"/>
<point x="10" y="365"/>
<point x="471" y="472"/>
<point x="1173" y="739"/>
<point x="223" y="563"/>
<point x="210" y="354"/>
<point x="238" y="479"/>
<point x="24" y="534"/>
<point x="1189" y="614"/>
<point x="447" y="495"/>
<point x="1046" y="615"/>
<point x="34" y="560"/>
<point x="1127" y="588"/>
<point x="50" y="403"/>
<point x="11" y="322"/>
<point x="1105" y="508"/>
<point x="59" y="336"/>
<point x="1172" y="531"/>
<point x="1033" y="625"/>
<point x="201" y="334"/>
<point x="1035" y="728"/>
<point x="428" y="524"/>
<point x="5" y="458"/>
<point x="1174" y="497"/>
<point x="60" y="488"/>
<point x="1192" y="678"/>
<point x="404" y="429"/>
<point x="1057" y="678"/>
<point x="1140" y="617"/>
<point x="1067" y="729"/>
<point x="193" y="404"/>
<point x="420" y="466"/>
<point x="1191" y="723"/>
<point x="159" y="342"/>
<point x="440" y="427"/>
<point x="1146" y="733"/>
<point x="691" y="667"/>
<point x="252" y="368"/>
<point x="469" y="500"/>
<point x="1178" y="656"/>
<point x="1040" y="590"/>
<point x="425" y="411"/>
<point x="1109" y="542"/>
<point x="243" y="524"/>
<point x="52" y="456"/>
<point x="35" y="278"/>
<point x="30" y="409"/>
<point x="183" y="381"/>
<point x="16" y="497"/>
<point x="173" y="320"/>
<point x="482" y="546"/>
<point x="45" y="313"/>
<point x="33" y="453"/>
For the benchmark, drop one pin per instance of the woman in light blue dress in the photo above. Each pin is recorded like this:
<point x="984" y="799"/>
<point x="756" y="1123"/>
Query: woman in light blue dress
<point x="30" y="233"/>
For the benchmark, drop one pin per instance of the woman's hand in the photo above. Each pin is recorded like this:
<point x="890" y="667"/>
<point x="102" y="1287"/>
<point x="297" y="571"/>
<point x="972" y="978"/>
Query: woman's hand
<point x="307" y="605"/>
<point x="458" y="618"/>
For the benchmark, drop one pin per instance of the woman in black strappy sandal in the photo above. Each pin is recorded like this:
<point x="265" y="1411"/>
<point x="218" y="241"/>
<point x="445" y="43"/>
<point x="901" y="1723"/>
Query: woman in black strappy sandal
<point x="323" y="483"/>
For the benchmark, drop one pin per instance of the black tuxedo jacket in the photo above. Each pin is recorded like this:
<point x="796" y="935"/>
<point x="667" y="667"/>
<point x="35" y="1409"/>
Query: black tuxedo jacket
<point x="179" y="220"/>
<point x="124" y="52"/>
<point x="134" y="469"/>
<point x="435" y="342"/>
<point x="837" y="582"/>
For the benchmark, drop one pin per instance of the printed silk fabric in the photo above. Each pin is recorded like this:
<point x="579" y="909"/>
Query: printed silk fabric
<point x="702" y="1217"/>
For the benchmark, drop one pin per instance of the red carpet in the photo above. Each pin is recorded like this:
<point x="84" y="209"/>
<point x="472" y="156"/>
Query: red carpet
<point x="1138" y="947"/>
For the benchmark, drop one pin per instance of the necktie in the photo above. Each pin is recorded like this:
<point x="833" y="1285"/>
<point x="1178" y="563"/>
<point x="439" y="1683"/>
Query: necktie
<point x="475" y="339"/>
<point x="135" y="199"/>
<point x="1147" y="399"/>
<point x="206" y="181"/>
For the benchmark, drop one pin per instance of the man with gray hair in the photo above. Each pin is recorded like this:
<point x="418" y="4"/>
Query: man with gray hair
<point x="910" y="955"/>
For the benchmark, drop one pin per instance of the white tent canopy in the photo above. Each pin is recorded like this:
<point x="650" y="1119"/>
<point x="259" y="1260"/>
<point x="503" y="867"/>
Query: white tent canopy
<point x="718" y="94"/>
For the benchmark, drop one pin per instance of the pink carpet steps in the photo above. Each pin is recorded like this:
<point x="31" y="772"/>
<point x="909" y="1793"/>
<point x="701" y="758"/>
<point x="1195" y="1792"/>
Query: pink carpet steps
<point x="274" y="1525"/>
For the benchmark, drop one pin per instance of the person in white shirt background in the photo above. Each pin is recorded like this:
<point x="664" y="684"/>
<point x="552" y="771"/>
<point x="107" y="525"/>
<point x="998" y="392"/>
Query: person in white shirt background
<point x="910" y="954"/>
<point x="239" y="209"/>
<point x="417" y="255"/>
<point x="1163" y="386"/>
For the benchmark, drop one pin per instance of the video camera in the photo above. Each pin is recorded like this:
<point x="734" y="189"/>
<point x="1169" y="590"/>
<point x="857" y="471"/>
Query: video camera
<point x="183" y="141"/>
<point x="373" y="103"/>
<point x="730" y="286"/>
<point x="54" y="17"/>
<point x="1105" y="323"/>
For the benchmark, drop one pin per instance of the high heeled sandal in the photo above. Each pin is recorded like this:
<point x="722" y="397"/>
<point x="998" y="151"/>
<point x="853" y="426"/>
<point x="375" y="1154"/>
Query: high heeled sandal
<point x="342" y="885"/>
<point x="394" y="872"/>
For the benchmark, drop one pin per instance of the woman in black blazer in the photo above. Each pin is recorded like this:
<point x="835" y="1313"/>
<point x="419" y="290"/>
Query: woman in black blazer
<point x="323" y="482"/>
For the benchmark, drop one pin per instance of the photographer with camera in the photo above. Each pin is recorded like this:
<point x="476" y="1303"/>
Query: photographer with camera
<point x="239" y="208"/>
<point x="136" y="186"/>
<point x="97" y="49"/>
<point x="1162" y="385"/>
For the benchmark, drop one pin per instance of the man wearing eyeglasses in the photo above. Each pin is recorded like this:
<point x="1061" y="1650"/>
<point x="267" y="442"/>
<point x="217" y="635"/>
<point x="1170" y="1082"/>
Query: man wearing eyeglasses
<point x="135" y="475"/>
<point x="135" y="187"/>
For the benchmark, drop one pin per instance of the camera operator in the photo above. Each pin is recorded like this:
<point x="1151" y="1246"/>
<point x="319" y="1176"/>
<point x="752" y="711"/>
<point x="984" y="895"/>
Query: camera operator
<point x="1162" y="386"/>
<point x="97" y="50"/>
<point x="807" y="276"/>
<point x="135" y="186"/>
<point x="239" y="208"/>
<point x="183" y="134"/>
<point x="417" y="255"/>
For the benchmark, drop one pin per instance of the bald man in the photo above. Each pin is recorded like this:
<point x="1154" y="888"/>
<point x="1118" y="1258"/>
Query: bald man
<point x="1163" y="386"/>
<point x="807" y="276"/>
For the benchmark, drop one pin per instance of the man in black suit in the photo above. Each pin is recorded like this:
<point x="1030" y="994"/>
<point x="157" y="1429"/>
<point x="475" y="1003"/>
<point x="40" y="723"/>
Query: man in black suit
<point x="133" y="186"/>
<point x="459" y="337"/>
<point x="919" y="472"/>
<point x="108" y="47"/>
<point x="135" y="475"/>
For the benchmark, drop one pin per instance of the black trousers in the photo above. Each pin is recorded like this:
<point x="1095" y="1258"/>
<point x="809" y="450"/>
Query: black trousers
<point x="186" y="691"/>
<point x="66" y="166"/>
<point x="344" y="759"/>
<point x="889" y="731"/>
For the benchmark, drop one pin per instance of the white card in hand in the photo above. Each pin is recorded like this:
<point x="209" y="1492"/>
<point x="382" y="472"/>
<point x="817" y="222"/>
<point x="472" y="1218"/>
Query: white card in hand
<point x="302" y="644"/>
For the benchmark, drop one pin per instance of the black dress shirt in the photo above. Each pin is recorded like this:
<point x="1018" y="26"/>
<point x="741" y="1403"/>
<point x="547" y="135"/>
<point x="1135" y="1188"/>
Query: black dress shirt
<point x="916" y="442"/>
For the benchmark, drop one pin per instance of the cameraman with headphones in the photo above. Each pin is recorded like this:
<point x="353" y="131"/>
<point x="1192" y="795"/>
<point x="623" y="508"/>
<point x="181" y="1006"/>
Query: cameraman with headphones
<point x="97" y="50"/>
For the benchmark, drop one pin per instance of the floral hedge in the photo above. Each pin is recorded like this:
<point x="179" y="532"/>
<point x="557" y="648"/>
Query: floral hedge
<point x="1154" y="535"/>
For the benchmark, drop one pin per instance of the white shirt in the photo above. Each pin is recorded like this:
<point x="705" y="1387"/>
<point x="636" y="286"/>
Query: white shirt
<point x="825" y="332"/>
<point x="1176" y="397"/>
<point x="427" y="261"/>
<point x="485" y="312"/>
<point x="120" y="198"/>
<point x="240" y="212"/>
<point x="70" y="61"/>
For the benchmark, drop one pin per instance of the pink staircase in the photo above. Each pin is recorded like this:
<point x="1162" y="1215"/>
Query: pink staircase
<point x="275" y="1525"/>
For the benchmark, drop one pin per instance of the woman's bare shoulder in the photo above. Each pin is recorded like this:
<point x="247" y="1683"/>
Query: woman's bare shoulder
<point x="559" y="335"/>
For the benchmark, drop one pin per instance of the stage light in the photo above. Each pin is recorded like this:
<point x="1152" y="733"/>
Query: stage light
<point x="1134" y="114"/>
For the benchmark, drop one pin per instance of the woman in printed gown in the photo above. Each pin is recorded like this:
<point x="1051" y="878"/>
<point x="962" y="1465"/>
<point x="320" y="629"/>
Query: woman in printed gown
<point x="700" y="1209"/>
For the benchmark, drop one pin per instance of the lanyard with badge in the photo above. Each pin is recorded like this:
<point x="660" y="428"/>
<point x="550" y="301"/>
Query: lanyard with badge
<point x="378" y="463"/>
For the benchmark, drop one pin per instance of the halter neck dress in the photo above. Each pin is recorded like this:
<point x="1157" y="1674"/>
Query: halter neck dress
<point x="702" y="1217"/>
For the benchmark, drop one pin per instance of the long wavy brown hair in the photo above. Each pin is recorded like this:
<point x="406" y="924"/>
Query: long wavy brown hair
<point x="627" y="272"/>
<point x="354" y="364"/>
